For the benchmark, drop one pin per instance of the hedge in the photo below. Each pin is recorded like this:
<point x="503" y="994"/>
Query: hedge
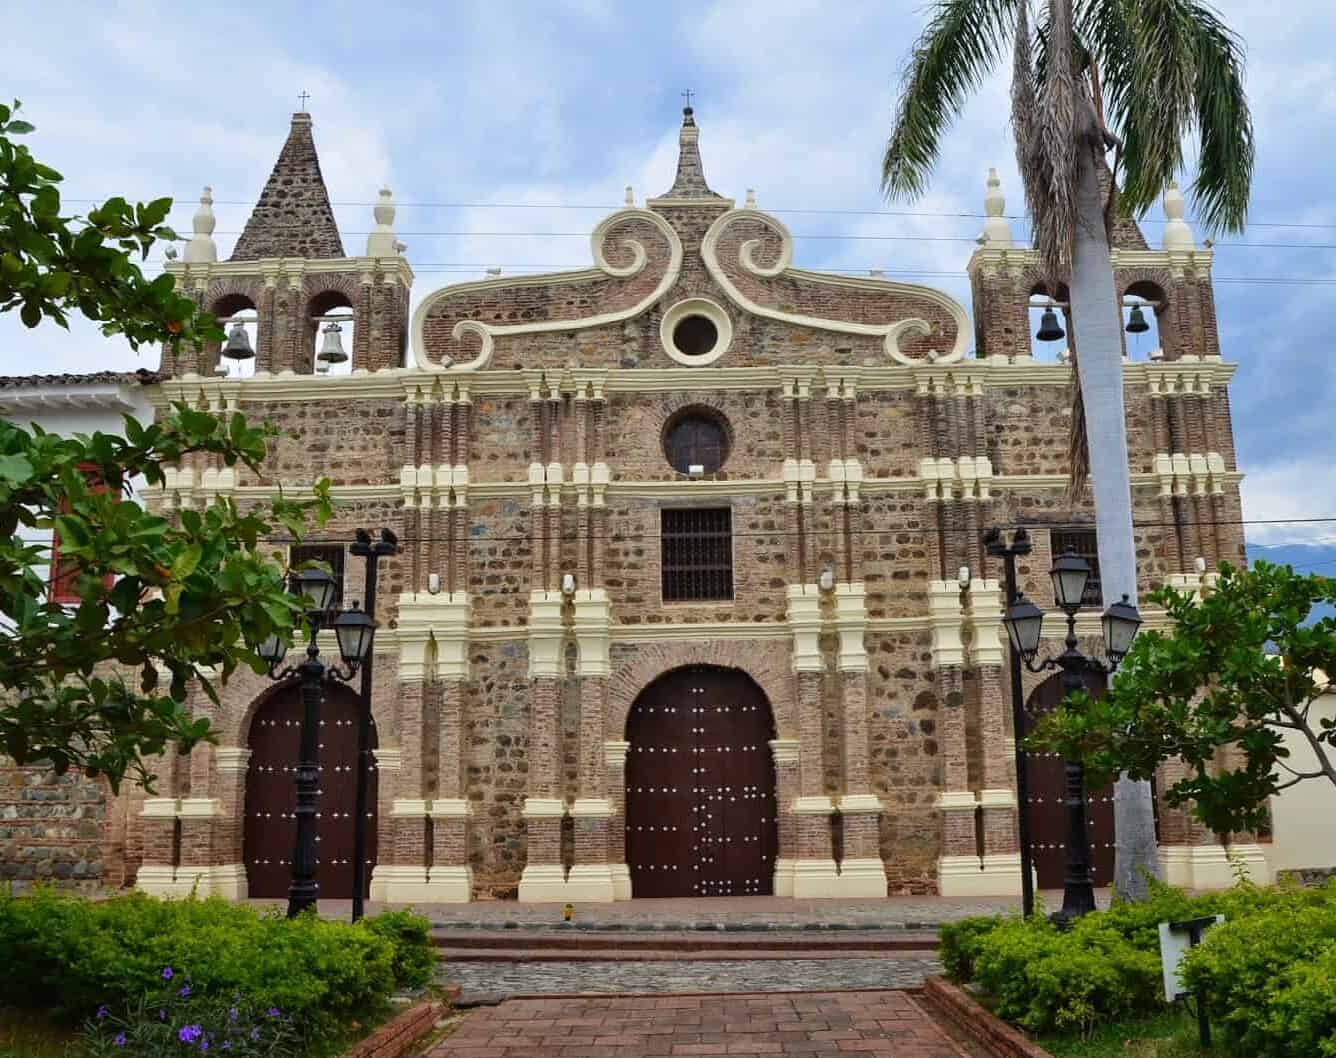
<point x="1269" y="972"/>
<point x="70" y="956"/>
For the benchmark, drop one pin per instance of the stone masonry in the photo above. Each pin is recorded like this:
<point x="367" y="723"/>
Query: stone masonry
<point x="512" y="435"/>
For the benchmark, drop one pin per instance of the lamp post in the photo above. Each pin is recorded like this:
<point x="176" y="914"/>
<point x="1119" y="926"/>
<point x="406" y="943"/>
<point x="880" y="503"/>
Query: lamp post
<point x="996" y="545"/>
<point x="354" y="630"/>
<point x="1024" y="623"/>
<point x="363" y="547"/>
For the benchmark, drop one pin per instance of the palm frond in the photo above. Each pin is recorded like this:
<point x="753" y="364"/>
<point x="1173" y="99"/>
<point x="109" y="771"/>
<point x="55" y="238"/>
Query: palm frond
<point x="1053" y="201"/>
<point x="1169" y="67"/>
<point x="955" y="52"/>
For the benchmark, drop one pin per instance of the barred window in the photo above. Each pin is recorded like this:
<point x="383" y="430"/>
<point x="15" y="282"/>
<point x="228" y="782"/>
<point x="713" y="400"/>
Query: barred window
<point x="1083" y="542"/>
<point x="330" y="554"/>
<point x="697" y="554"/>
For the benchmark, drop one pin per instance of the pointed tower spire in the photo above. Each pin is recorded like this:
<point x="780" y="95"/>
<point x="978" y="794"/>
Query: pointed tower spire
<point x="293" y="217"/>
<point x="690" y="182"/>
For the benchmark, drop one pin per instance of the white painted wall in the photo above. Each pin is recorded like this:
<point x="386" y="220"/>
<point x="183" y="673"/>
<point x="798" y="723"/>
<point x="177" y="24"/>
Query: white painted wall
<point x="1304" y="816"/>
<point x="73" y="405"/>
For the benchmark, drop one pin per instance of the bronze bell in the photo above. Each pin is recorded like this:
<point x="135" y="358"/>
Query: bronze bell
<point x="1049" y="328"/>
<point x="238" y="345"/>
<point x="331" y="348"/>
<point x="1136" y="323"/>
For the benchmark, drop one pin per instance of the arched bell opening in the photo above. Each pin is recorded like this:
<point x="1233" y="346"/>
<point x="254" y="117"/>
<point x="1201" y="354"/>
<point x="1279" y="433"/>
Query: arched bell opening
<point x="330" y="324"/>
<point x="701" y="805"/>
<point x="1144" y="308"/>
<point x="1050" y="323"/>
<point x="269" y="825"/>
<point x="236" y="354"/>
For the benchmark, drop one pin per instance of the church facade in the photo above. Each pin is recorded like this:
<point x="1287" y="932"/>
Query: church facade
<point x="692" y="599"/>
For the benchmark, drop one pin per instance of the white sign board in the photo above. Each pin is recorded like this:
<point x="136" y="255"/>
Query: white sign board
<point x="1173" y="946"/>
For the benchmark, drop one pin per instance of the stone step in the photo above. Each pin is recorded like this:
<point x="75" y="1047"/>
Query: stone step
<point x="570" y="945"/>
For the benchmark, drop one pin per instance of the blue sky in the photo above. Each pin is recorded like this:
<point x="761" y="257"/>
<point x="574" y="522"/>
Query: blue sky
<point x="553" y="105"/>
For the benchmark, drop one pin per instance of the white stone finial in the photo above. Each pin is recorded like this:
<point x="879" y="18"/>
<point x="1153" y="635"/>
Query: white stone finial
<point x="1177" y="233"/>
<point x="630" y="196"/>
<point x="382" y="241"/>
<point x="751" y="198"/>
<point x="996" y="230"/>
<point x="201" y="248"/>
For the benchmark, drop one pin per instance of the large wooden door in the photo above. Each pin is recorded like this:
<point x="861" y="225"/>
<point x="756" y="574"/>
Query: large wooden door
<point x="1048" y="813"/>
<point x="700" y="787"/>
<point x="271" y="794"/>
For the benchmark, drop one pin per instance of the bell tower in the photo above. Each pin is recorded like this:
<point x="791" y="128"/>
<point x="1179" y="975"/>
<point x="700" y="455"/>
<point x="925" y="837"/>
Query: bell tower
<point x="289" y="295"/>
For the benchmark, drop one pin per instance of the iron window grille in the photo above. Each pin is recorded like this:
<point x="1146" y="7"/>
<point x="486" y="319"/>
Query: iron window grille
<point x="697" y="554"/>
<point x="330" y="554"/>
<point x="1084" y="543"/>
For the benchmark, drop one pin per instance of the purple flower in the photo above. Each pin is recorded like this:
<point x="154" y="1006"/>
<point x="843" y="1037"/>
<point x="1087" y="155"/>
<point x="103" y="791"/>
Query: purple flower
<point x="204" y="1046"/>
<point x="185" y="991"/>
<point x="232" y="1014"/>
<point x="190" y="1033"/>
<point x="167" y="973"/>
<point x="162" y="1015"/>
<point x="273" y="1012"/>
<point x="102" y="1012"/>
<point x="119" y="1041"/>
<point x="255" y="1033"/>
<point x="227" y="1045"/>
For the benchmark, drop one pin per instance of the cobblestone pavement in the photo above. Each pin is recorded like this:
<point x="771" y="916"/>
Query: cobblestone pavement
<point x="705" y="975"/>
<point x="810" y="1023"/>
<point x="735" y="912"/>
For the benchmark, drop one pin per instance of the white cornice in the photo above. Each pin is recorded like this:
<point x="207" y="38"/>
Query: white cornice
<point x="57" y="398"/>
<point x="198" y="273"/>
<point x="1018" y="258"/>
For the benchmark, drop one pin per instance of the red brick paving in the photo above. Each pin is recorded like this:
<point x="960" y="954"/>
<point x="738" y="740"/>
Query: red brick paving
<point x="812" y="1024"/>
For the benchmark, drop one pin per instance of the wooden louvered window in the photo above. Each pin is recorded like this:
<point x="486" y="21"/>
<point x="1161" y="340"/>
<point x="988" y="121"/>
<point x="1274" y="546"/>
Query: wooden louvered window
<point x="1083" y="542"/>
<point x="697" y="554"/>
<point x="696" y="437"/>
<point x="330" y="554"/>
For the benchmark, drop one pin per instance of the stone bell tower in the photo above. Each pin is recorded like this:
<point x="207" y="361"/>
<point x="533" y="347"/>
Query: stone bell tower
<point x="289" y="270"/>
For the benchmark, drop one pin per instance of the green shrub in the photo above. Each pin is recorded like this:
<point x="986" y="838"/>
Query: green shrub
<point x="1257" y="972"/>
<point x="410" y="934"/>
<point x="959" y="945"/>
<point x="72" y="956"/>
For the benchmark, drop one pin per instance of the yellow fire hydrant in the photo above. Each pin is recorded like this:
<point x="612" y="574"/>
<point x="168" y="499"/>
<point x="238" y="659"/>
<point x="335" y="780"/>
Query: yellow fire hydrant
<point x="568" y="912"/>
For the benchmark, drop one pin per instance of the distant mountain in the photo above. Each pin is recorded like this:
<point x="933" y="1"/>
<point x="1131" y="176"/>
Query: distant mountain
<point x="1305" y="558"/>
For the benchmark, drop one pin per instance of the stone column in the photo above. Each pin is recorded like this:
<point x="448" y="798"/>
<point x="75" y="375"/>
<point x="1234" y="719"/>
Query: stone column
<point x="544" y="876"/>
<point x="385" y="885"/>
<point x="1001" y="845"/>
<point x="157" y="872"/>
<point x="862" y="872"/>
<point x="614" y="753"/>
<point x="449" y="879"/>
<point x="785" y="752"/>
<point x="814" y="871"/>
<point x="229" y="872"/>
<point x="198" y="815"/>
<point x="592" y="877"/>
<point x="959" y="868"/>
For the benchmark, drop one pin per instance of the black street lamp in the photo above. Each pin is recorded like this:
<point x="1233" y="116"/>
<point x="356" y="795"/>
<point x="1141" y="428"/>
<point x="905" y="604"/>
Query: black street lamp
<point x="996" y="545"/>
<point x="354" y="631"/>
<point x="1024" y="623"/>
<point x="388" y="544"/>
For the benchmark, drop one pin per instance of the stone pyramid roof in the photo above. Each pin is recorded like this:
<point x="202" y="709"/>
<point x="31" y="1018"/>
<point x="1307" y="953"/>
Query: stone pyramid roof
<point x="690" y="181"/>
<point x="1126" y="233"/>
<point x="293" y="217"/>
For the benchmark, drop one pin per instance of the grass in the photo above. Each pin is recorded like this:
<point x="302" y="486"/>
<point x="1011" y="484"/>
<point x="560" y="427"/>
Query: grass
<point x="1172" y="1034"/>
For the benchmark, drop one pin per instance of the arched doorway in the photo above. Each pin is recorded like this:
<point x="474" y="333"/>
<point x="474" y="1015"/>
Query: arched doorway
<point x="271" y="795"/>
<point x="1048" y="813"/>
<point x="700" y="786"/>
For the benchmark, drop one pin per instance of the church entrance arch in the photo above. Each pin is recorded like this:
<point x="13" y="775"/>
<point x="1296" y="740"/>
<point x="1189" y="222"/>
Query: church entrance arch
<point x="271" y="795"/>
<point x="701" y="810"/>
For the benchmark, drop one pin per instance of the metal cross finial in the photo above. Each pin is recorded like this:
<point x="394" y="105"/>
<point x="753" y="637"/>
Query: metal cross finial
<point x="304" y="95"/>
<point x="687" y="96"/>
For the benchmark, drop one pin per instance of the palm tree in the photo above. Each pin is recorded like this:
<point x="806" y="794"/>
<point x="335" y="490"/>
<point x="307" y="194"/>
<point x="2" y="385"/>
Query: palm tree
<point x="1132" y="76"/>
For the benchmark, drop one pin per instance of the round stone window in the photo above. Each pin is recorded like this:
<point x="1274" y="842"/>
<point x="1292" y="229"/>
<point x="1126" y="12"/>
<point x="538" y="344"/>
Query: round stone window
<point x="696" y="332"/>
<point x="696" y="437"/>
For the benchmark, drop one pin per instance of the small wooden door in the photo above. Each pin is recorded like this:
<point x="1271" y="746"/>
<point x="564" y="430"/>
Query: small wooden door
<point x="271" y="794"/>
<point x="1048" y="813"/>
<point x="700" y="787"/>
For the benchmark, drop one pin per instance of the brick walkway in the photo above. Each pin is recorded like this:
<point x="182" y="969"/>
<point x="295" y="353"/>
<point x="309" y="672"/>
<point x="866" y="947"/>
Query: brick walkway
<point x="807" y="1023"/>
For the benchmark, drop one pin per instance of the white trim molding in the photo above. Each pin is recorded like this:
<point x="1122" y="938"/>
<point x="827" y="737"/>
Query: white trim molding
<point x="706" y="309"/>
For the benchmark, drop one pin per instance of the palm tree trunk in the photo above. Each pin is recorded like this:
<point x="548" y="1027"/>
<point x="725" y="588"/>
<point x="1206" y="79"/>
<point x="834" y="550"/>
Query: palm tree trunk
<point x="1096" y="326"/>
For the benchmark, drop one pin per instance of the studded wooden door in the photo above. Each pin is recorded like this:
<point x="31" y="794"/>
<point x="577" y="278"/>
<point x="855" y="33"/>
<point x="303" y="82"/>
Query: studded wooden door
<point x="1048" y="813"/>
<point x="270" y="826"/>
<point x="700" y="787"/>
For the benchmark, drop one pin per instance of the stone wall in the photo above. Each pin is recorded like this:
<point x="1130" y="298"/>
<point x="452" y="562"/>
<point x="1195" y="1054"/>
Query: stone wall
<point x="56" y="829"/>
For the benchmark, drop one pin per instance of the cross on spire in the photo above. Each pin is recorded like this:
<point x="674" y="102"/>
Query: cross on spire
<point x="303" y="95"/>
<point x="687" y="96"/>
